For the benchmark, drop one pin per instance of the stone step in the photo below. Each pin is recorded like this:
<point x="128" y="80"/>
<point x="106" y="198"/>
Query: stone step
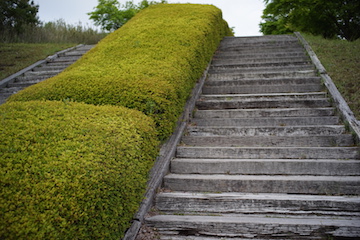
<point x="261" y="81"/>
<point x="294" y="184"/>
<point x="269" y="152"/>
<point x="254" y="227"/>
<point x="318" y="167"/>
<point x="263" y="103"/>
<point x="264" y="112"/>
<point x="270" y="88"/>
<point x="268" y="141"/>
<point x="266" y="131"/>
<point x="262" y="74"/>
<point x="248" y="203"/>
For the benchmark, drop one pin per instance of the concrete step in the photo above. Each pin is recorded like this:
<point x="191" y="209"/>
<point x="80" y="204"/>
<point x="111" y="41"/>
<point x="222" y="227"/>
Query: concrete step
<point x="294" y="184"/>
<point x="315" y="167"/>
<point x="262" y="74"/>
<point x="342" y="140"/>
<point x="255" y="227"/>
<point x="269" y="152"/>
<point x="249" y="203"/>
<point x="266" y="131"/>
<point x="264" y="112"/>
<point x="267" y="121"/>
<point x="264" y="48"/>
<point x="262" y="103"/>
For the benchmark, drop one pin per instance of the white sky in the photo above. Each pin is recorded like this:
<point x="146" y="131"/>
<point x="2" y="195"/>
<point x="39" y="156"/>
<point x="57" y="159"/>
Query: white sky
<point x="244" y="15"/>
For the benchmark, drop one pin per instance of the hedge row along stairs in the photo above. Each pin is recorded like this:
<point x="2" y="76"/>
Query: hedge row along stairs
<point x="265" y="156"/>
<point x="41" y="71"/>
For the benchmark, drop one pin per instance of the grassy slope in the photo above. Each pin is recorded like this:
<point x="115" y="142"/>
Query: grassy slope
<point x="342" y="61"/>
<point x="16" y="56"/>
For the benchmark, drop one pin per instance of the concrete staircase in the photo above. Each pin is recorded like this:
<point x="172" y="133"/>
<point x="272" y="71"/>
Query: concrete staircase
<point x="265" y="156"/>
<point x="41" y="71"/>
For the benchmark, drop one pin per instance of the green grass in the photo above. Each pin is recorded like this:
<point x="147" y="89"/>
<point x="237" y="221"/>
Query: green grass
<point x="342" y="62"/>
<point x="16" y="56"/>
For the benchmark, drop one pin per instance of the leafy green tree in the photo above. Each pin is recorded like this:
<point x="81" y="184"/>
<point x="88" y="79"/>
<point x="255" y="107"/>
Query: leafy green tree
<point x="329" y="18"/>
<point x="15" y="14"/>
<point x="111" y="15"/>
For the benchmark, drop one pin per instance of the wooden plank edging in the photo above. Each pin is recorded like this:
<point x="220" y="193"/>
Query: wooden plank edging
<point x="339" y="101"/>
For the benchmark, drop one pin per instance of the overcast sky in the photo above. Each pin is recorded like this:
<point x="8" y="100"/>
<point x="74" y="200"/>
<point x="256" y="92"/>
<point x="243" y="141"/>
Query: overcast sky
<point x="244" y="15"/>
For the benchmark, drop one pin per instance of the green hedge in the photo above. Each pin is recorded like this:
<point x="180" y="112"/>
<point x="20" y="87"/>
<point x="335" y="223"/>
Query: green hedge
<point x="72" y="170"/>
<point x="150" y="64"/>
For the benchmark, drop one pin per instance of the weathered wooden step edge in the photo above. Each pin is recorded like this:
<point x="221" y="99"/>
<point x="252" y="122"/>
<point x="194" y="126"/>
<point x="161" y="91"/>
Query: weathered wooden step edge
<point x="254" y="227"/>
<point x="329" y="167"/>
<point x="233" y="202"/>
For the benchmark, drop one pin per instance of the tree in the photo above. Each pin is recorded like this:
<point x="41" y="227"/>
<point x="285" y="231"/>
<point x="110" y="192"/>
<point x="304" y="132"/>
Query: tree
<point x="334" y="18"/>
<point x="111" y="15"/>
<point x="15" y="14"/>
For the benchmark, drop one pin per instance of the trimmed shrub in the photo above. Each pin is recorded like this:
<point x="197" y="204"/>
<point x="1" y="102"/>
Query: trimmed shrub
<point x="150" y="64"/>
<point x="72" y="170"/>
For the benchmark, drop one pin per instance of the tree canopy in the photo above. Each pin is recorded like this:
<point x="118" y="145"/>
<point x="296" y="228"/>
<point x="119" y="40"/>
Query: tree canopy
<point x="111" y="15"/>
<point x="15" y="14"/>
<point x="329" y="18"/>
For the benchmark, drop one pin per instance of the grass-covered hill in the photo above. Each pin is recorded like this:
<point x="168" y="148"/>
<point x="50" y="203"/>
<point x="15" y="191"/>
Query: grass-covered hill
<point x="75" y="150"/>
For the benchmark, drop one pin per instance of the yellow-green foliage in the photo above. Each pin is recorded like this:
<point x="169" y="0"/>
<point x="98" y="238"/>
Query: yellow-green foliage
<point x="72" y="170"/>
<point x="150" y="64"/>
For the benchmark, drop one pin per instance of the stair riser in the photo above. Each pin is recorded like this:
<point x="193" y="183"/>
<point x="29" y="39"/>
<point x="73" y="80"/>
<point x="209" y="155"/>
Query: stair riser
<point x="231" y="203"/>
<point x="249" y="89"/>
<point x="266" y="167"/>
<point x="260" y="82"/>
<point x="225" y="61"/>
<point x="257" y="75"/>
<point x="276" y="121"/>
<point x="260" y="69"/>
<point x="300" y="186"/>
<point x="266" y="131"/>
<point x="216" y="105"/>
<point x="228" y="229"/>
<point x="267" y="153"/>
<point x="250" y="113"/>
<point x="258" y="56"/>
<point x="270" y="141"/>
